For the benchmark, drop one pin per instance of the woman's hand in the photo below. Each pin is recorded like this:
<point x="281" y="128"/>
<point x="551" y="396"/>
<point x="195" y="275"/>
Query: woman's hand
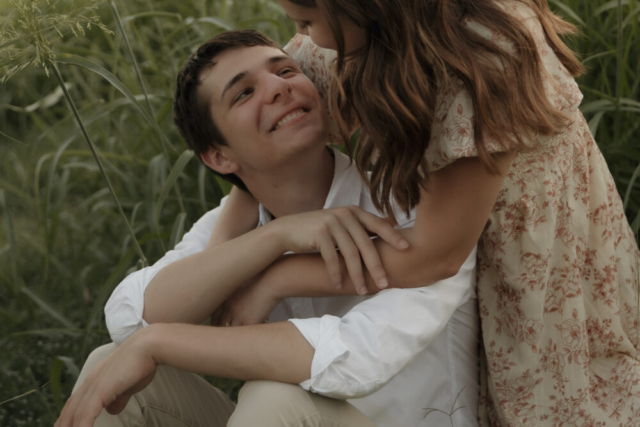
<point x="250" y="305"/>
<point x="111" y="384"/>
<point x="348" y="229"/>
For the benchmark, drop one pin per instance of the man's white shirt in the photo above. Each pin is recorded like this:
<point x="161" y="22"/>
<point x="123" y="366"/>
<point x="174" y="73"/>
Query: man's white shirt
<point x="395" y="355"/>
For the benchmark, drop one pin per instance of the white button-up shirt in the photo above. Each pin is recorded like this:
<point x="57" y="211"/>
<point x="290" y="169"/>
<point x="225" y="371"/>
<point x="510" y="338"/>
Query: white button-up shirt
<point x="395" y="355"/>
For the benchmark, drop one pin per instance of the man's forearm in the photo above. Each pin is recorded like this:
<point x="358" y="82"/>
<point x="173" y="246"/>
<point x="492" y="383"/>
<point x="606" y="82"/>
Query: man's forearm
<point x="189" y="290"/>
<point x="274" y="351"/>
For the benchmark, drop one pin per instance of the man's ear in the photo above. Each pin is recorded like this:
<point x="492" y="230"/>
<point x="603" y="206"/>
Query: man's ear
<point x="219" y="161"/>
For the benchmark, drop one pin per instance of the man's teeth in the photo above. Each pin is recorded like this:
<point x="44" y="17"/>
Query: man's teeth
<point x="292" y="115"/>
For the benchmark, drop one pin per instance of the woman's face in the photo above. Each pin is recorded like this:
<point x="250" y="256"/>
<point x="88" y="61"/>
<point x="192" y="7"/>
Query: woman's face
<point x="311" y="22"/>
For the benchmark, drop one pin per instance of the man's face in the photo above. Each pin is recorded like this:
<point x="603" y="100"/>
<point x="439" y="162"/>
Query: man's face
<point x="265" y="107"/>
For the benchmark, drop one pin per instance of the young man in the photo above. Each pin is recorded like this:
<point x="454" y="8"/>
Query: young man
<point x="250" y="113"/>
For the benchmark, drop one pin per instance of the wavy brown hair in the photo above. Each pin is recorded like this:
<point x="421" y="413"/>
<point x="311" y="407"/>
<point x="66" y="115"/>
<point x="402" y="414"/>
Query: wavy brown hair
<point x="413" y="50"/>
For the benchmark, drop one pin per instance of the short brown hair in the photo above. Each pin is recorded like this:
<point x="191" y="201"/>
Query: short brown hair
<point x="191" y="110"/>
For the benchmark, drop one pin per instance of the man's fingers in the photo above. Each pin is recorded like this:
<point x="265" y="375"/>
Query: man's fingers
<point x="88" y="413"/>
<point x="330" y="256"/>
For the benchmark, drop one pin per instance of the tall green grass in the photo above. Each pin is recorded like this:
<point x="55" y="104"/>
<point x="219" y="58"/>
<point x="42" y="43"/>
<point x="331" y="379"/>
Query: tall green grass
<point x="64" y="245"/>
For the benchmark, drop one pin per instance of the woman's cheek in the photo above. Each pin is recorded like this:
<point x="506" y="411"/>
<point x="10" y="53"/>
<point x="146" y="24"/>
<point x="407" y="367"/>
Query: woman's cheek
<point x="323" y="38"/>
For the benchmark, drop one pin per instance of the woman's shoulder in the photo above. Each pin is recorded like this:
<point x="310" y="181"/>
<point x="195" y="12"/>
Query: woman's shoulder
<point x="452" y="133"/>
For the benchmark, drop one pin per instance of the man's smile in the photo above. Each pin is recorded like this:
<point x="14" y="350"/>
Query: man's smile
<point x="289" y="117"/>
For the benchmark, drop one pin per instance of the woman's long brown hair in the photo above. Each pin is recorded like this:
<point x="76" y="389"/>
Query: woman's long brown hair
<point x="414" y="48"/>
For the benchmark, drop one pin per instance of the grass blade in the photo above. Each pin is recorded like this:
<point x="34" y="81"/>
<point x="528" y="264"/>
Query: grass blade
<point x="627" y="194"/>
<point x="177" y="230"/>
<point x="47" y="308"/>
<point x="182" y="161"/>
<point x="130" y="18"/>
<point x="566" y="9"/>
<point x="8" y="223"/>
<point x="95" y="155"/>
<point x="67" y="58"/>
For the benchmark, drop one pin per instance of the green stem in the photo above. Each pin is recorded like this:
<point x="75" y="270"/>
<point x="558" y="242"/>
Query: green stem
<point x="137" y="247"/>
<point x="116" y="14"/>
<point x="619" y="70"/>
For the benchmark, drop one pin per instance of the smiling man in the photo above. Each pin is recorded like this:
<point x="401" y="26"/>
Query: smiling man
<point x="252" y="116"/>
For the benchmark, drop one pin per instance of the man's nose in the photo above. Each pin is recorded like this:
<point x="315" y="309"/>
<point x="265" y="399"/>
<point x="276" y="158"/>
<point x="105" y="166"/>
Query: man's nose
<point x="278" y="88"/>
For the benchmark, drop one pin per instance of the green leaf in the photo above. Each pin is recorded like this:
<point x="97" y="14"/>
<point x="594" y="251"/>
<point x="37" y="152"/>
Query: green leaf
<point x="48" y="308"/>
<point x="213" y="21"/>
<point x="627" y="194"/>
<point x="55" y="380"/>
<point x="598" y="55"/>
<point x="607" y="6"/>
<point x="67" y="58"/>
<point x="8" y="224"/>
<point x="177" y="230"/>
<point x="630" y="16"/>
<point x="595" y="106"/>
<point x="566" y="9"/>
<point x="595" y="122"/>
<point x="151" y="13"/>
<point x="171" y="180"/>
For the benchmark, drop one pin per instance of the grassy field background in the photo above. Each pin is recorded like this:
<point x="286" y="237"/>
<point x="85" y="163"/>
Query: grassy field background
<point x="64" y="244"/>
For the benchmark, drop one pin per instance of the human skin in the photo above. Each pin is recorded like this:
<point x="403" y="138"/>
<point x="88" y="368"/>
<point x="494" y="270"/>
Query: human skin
<point x="284" y="354"/>
<point x="453" y="210"/>
<point x="288" y="169"/>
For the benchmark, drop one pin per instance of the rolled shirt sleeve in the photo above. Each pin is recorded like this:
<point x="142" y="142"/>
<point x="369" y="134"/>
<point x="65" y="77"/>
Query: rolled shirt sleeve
<point x="359" y="353"/>
<point x="125" y="307"/>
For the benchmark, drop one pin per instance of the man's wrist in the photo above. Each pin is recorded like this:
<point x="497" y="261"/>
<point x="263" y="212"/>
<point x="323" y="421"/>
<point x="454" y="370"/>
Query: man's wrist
<point x="149" y="341"/>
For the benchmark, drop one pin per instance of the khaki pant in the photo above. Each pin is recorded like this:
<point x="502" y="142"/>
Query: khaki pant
<point x="178" y="398"/>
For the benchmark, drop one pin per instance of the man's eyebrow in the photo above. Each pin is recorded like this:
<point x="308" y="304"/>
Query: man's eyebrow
<point x="243" y="74"/>
<point x="278" y="58"/>
<point x="233" y="81"/>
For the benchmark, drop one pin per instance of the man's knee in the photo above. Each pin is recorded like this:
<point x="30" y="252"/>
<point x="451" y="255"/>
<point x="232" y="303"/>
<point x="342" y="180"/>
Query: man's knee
<point x="95" y="357"/>
<point x="272" y="393"/>
<point x="271" y="403"/>
<point x="275" y="404"/>
<point x="99" y="354"/>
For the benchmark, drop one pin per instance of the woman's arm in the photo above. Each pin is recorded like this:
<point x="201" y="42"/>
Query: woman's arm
<point x="449" y="221"/>
<point x="239" y="216"/>
<point x="272" y="352"/>
<point x="190" y="289"/>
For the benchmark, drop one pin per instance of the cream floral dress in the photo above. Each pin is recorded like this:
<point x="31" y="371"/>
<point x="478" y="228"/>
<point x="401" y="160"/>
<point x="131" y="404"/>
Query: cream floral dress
<point x="558" y="264"/>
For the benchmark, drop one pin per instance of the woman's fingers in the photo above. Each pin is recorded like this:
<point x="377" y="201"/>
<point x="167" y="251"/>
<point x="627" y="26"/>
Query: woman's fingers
<point x="380" y="227"/>
<point x="330" y="256"/>
<point x="369" y="253"/>
<point x="351" y="253"/>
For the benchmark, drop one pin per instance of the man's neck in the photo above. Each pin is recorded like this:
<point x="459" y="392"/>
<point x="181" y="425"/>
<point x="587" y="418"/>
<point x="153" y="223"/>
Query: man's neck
<point x="301" y="186"/>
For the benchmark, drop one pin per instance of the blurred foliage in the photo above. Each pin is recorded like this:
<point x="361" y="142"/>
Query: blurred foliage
<point x="63" y="244"/>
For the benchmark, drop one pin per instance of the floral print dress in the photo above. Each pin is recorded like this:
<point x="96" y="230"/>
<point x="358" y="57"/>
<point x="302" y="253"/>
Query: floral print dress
<point x="557" y="263"/>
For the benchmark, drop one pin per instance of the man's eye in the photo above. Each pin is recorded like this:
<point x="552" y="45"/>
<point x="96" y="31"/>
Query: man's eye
<point x="242" y="94"/>
<point x="285" y="71"/>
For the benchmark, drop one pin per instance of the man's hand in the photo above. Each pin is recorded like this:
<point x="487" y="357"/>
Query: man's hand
<point x="250" y="305"/>
<point x="111" y="384"/>
<point x="347" y="228"/>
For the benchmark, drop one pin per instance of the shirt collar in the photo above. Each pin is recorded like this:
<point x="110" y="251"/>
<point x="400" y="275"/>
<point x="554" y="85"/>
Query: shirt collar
<point x="346" y="187"/>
